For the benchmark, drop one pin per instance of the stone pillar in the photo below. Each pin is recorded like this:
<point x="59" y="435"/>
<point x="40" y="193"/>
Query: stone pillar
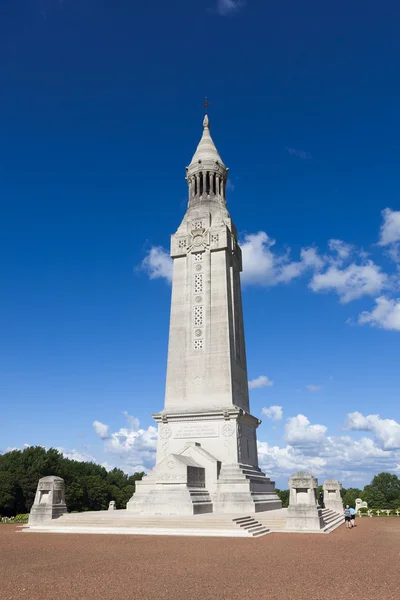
<point x="303" y="514"/>
<point x="332" y="498"/>
<point x="212" y="178"/>
<point x="49" y="501"/>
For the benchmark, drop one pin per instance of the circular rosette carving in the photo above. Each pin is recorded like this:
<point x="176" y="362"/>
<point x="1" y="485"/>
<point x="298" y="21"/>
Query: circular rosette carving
<point x="228" y="429"/>
<point x="197" y="241"/>
<point x="165" y="432"/>
<point x="170" y="464"/>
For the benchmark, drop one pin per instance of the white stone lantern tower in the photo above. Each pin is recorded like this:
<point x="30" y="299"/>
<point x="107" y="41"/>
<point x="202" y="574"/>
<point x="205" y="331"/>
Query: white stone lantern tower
<point x="207" y="448"/>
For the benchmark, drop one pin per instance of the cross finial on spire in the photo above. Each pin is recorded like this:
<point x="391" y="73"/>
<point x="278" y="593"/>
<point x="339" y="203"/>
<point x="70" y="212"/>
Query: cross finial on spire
<point x="206" y="104"/>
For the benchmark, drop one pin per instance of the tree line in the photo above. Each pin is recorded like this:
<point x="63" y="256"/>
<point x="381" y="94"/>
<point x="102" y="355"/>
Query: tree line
<point x="91" y="487"/>
<point x="87" y="486"/>
<point x="382" y="493"/>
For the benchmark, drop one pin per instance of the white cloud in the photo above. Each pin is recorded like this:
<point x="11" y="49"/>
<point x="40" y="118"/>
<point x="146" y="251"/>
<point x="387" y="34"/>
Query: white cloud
<point x="299" y="153"/>
<point x="386" y="431"/>
<point x="299" y="431"/>
<point x="103" y="431"/>
<point x="77" y="455"/>
<point x="227" y="7"/>
<point x="385" y="315"/>
<point x="309" y="260"/>
<point x="135" y="447"/>
<point x="262" y="266"/>
<point x="310" y="448"/>
<point x="158" y="264"/>
<point x="258" y="260"/>
<point x="390" y="228"/>
<point x="133" y="422"/>
<point x="313" y="388"/>
<point x="341" y="249"/>
<point x="278" y="462"/>
<point x="273" y="412"/>
<point x="259" y="382"/>
<point x="352" y="282"/>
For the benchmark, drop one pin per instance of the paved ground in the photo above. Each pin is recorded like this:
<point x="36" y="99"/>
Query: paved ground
<point x="362" y="563"/>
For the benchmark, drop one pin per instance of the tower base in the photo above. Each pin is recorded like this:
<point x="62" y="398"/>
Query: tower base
<point x="177" y="486"/>
<point x="243" y="488"/>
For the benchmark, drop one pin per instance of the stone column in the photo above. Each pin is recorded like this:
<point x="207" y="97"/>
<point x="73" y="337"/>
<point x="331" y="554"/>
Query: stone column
<point x="303" y="513"/>
<point x="212" y="178"/>
<point x="332" y="498"/>
<point x="49" y="501"/>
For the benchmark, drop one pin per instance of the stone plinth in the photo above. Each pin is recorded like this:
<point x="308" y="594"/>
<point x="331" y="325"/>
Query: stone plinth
<point x="303" y="514"/>
<point x="332" y="497"/>
<point x="360" y="504"/>
<point x="49" y="501"/>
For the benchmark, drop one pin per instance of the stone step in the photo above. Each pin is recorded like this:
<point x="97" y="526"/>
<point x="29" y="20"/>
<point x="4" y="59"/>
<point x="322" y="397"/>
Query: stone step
<point x="263" y="531"/>
<point x="200" y="532"/>
<point x="332" y="525"/>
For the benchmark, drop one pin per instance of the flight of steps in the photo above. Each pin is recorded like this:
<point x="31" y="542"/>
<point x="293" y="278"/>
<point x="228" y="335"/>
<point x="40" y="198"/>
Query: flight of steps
<point x="331" y="519"/>
<point x="253" y="527"/>
<point x="123" y="522"/>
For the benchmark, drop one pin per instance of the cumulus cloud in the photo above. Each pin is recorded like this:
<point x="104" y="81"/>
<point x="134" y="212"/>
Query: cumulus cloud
<point x="310" y="448"/>
<point x="351" y="282"/>
<point x="273" y="412"/>
<point x="386" y="431"/>
<point x="331" y="456"/>
<point x="340" y="249"/>
<point x="78" y="455"/>
<point x="259" y="382"/>
<point x="299" y="431"/>
<point x="102" y="430"/>
<point x="264" y="267"/>
<point x="343" y="269"/>
<point x="385" y="315"/>
<point x="228" y="7"/>
<point x="158" y="264"/>
<point x="390" y="228"/>
<point x="299" y="153"/>
<point x="133" y="446"/>
<point x="307" y="447"/>
<point x="313" y="388"/>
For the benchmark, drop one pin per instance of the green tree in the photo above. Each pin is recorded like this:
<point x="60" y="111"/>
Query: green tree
<point x="284" y="497"/>
<point x="389" y="486"/>
<point x="87" y="486"/>
<point x="374" y="497"/>
<point x="96" y="492"/>
<point x="7" y="494"/>
<point x="75" y="497"/>
<point x="350" y="496"/>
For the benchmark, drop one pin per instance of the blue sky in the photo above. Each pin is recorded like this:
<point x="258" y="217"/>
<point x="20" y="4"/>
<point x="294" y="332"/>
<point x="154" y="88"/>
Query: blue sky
<point x="100" y="113"/>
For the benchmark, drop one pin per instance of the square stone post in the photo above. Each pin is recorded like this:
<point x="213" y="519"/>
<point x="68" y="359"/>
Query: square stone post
<point x="303" y="513"/>
<point x="332" y="498"/>
<point x="49" y="501"/>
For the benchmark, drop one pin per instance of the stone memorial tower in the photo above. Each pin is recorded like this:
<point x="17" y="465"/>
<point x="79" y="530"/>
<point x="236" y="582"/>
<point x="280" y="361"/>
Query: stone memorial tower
<point x="207" y="447"/>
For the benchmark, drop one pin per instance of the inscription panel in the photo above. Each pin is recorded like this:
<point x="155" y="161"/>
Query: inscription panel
<point x="196" y="430"/>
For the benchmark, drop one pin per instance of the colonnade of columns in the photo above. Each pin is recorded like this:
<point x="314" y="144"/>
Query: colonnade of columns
<point x="206" y="183"/>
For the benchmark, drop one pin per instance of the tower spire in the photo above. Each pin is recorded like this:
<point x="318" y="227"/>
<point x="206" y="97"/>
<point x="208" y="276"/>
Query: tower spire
<point x="206" y="175"/>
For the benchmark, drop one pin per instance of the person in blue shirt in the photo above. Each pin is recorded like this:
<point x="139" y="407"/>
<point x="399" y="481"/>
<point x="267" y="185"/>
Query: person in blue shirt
<point x="347" y="517"/>
<point x="353" y="517"/>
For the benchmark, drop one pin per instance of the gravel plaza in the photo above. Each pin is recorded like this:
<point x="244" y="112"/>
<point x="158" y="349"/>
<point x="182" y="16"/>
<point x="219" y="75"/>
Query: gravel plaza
<point x="361" y="563"/>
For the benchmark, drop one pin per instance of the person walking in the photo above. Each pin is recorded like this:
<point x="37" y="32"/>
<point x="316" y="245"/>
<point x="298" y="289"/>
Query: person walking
<point x="347" y="517"/>
<point x="353" y="517"/>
